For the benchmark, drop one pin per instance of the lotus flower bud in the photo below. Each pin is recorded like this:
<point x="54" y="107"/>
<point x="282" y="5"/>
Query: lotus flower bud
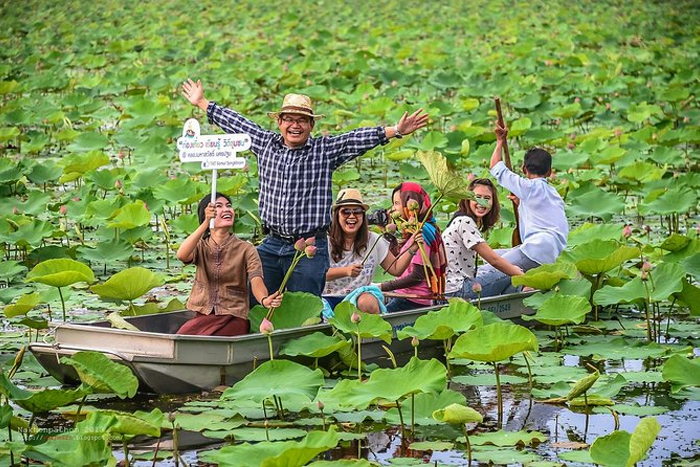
<point x="63" y="210"/>
<point x="627" y="231"/>
<point x="355" y="318"/>
<point x="15" y="211"/>
<point x="476" y="288"/>
<point x="121" y="155"/>
<point x="618" y="132"/>
<point x="300" y="244"/>
<point x="145" y="205"/>
<point x="76" y="199"/>
<point x="390" y="228"/>
<point x="647" y="228"/>
<point x="572" y="146"/>
<point x="118" y="184"/>
<point x="415" y="341"/>
<point x="266" y="326"/>
<point x="577" y="99"/>
<point x="310" y="251"/>
<point x="608" y="106"/>
<point x="320" y="405"/>
<point x="645" y="276"/>
<point x="412" y="205"/>
<point x="646" y="266"/>
<point x="310" y="241"/>
<point x="171" y="417"/>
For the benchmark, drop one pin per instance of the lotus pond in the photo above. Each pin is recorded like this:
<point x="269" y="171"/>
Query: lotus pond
<point x="94" y="203"/>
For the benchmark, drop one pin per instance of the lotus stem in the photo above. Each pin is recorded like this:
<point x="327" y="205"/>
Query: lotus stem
<point x="647" y="301"/>
<point x="155" y="453"/>
<point x="499" y="397"/>
<point x="176" y="455"/>
<point x="413" y="414"/>
<point x="269" y="345"/>
<point x="668" y="320"/>
<point x="126" y="451"/>
<point x="403" y="431"/>
<point x="529" y="372"/>
<point x="63" y="303"/>
<point x="297" y="257"/>
<point x="359" y="356"/>
<point x="370" y="250"/>
<point x="469" y="446"/>
<point x="80" y="407"/>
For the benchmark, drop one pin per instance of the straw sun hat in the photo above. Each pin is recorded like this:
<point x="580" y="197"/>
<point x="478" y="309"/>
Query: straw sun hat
<point x="296" y="104"/>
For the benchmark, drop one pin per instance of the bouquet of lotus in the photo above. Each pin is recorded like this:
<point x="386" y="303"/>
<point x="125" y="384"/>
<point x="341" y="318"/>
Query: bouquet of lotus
<point x="303" y="248"/>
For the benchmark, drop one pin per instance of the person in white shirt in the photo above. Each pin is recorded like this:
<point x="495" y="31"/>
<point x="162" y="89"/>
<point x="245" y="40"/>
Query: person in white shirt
<point x="543" y="224"/>
<point x="463" y="241"/>
<point x="356" y="253"/>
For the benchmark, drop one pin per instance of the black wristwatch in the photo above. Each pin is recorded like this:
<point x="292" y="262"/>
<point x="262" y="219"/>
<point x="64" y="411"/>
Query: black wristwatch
<point x="397" y="135"/>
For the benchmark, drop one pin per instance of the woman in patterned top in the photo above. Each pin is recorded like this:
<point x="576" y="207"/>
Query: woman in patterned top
<point x="463" y="241"/>
<point x="349" y="243"/>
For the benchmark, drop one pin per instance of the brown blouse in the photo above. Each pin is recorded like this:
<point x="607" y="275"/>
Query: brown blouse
<point x="222" y="277"/>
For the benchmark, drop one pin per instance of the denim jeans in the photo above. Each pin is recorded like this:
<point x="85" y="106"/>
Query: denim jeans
<point x="309" y="275"/>
<point x="494" y="282"/>
<point x="402" y="304"/>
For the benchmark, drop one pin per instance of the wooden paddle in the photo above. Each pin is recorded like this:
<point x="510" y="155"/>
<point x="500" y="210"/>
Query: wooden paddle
<point x="515" y="238"/>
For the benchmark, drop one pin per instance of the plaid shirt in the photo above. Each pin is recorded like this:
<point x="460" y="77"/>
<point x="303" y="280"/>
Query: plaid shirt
<point x="296" y="184"/>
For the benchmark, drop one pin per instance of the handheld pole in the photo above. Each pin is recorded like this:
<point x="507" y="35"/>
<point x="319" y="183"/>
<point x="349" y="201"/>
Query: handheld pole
<point x="213" y="195"/>
<point x="515" y="238"/>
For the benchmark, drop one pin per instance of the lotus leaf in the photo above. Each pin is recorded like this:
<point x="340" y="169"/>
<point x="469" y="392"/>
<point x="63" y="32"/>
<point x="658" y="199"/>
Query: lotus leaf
<point x="681" y="372"/>
<point x="488" y="380"/>
<point x="23" y="305"/>
<point x="677" y="200"/>
<point x="457" y="414"/>
<point x="417" y="376"/>
<point x="560" y="309"/>
<point x="458" y="316"/>
<point x="448" y="182"/>
<point x="604" y="348"/>
<point x="494" y="455"/>
<point x="288" y="453"/>
<point x="690" y="296"/>
<point x="692" y="265"/>
<point x="88" y="444"/>
<point x="297" y="308"/>
<point x="107" y="252"/>
<point x="631" y="291"/>
<point x="30" y="233"/>
<point x="77" y="165"/>
<point x="580" y="287"/>
<point x="546" y="276"/>
<point x="281" y="378"/>
<point x="314" y="345"/>
<point x="422" y="407"/>
<point x="138" y="423"/>
<point x="588" y="232"/>
<point x="635" y="410"/>
<point x="130" y="216"/>
<point x="503" y="438"/>
<point x="39" y="401"/>
<point x="370" y="325"/>
<point x="642" y="172"/>
<point x="596" y="203"/>
<point x="675" y="242"/>
<point x="494" y="342"/>
<point x="60" y="273"/>
<point x="102" y="375"/>
<point x="257" y="434"/>
<point x="600" y="256"/>
<point x="428" y="446"/>
<point x="209" y="421"/>
<point x="128" y="284"/>
<point x="622" y="449"/>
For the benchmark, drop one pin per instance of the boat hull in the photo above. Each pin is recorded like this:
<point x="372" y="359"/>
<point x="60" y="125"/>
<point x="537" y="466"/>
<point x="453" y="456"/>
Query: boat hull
<point x="168" y="363"/>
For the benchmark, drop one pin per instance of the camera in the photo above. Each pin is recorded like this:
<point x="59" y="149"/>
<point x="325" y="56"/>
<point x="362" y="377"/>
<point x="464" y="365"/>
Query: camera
<point x="379" y="217"/>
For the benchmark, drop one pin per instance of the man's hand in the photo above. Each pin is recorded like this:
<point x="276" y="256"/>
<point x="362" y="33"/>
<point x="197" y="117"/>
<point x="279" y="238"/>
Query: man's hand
<point x="194" y="92"/>
<point x="410" y="123"/>
<point x="501" y="133"/>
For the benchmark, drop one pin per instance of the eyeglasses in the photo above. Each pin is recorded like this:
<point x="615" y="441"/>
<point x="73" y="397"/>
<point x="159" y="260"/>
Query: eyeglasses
<point x="357" y="212"/>
<point x="300" y="121"/>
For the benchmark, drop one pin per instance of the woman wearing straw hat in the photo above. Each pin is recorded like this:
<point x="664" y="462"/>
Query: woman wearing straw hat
<point x="356" y="253"/>
<point x="295" y="172"/>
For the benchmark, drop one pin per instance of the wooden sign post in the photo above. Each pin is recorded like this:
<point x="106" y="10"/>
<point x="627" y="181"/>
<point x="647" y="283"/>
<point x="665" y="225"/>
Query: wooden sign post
<point x="214" y="151"/>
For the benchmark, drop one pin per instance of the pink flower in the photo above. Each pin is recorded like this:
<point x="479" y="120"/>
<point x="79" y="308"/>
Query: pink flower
<point x="476" y="288"/>
<point x="646" y="266"/>
<point x="300" y="244"/>
<point x="627" y="231"/>
<point x="320" y="405"/>
<point x="15" y="211"/>
<point x="63" y="210"/>
<point x="618" y="132"/>
<point x="310" y="251"/>
<point x="310" y="241"/>
<point x="355" y="318"/>
<point x="76" y="199"/>
<point x="121" y="155"/>
<point x="118" y="184"/>
<point x="266" y="326"/>
<point x="471" y="176"/>
<point x="572" y="146"/>
<point x="390" y="228"/>
<point x="577" y="99"/>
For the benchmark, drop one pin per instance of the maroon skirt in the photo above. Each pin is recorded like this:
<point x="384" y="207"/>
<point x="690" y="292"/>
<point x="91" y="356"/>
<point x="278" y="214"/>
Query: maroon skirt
<point x="215" y="325"/>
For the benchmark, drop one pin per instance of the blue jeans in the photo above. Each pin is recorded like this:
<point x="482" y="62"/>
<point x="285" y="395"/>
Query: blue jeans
<point x="309" y="275"/>
<point x="494" y="282"/>
<point x="402" y="304"/>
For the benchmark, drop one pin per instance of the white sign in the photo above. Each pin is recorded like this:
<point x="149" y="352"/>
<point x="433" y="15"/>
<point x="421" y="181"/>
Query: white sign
<point x="214" y="151"/>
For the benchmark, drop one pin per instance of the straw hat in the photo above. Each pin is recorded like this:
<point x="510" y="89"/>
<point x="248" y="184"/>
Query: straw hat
<point x="296" y="104"/>
<point x="350" y="197"/>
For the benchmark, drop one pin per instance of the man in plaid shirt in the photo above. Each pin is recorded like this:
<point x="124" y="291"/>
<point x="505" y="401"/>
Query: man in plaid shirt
<point x="295" y="172"/>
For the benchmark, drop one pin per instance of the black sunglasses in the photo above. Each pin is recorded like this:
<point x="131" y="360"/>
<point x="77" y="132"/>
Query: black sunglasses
<point x="357" y="211"/>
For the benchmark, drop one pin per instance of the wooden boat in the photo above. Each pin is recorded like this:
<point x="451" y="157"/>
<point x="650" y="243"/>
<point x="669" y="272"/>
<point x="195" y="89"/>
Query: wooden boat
<point x="167" y="363"/>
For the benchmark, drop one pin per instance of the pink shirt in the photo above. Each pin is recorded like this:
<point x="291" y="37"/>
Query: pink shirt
<point x="422" y="288"/>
